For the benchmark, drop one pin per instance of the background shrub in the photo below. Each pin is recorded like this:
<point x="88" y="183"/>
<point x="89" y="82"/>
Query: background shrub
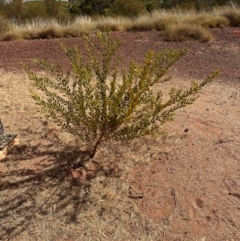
<point x="185" y="31"/>
<point x="129" y="8"/>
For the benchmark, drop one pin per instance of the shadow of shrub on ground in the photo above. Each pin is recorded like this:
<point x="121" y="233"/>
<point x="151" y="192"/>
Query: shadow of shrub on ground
<point x="40" y="184"/>
<point x="46" y="195"/>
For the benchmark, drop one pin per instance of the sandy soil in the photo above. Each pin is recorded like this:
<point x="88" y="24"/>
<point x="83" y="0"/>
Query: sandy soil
<point x="191" y="187"/>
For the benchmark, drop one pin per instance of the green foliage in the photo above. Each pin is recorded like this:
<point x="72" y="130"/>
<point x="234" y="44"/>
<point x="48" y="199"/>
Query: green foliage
<point x="152" y="5"/>
<point x="113" y="7"/>
<point x="34" y="9"/>
<point x="52" y="7"/>
<point x="14" y="10"/>
<point x="21" y="11"/>
<point x="98" y="102"/>
<point x="129" y="8"/>
<point x="2" y="5"/>
<point x="94" y="7"/>
<point x="189" y="5"/>
<point x="197" y="4"/>
<point x="24" y="10"/>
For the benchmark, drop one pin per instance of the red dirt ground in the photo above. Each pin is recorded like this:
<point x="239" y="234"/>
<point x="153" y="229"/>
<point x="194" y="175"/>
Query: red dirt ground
<point x="192" y="185"/>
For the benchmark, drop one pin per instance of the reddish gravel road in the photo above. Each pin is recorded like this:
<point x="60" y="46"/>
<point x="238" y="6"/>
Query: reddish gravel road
<point x="203" y="58"/>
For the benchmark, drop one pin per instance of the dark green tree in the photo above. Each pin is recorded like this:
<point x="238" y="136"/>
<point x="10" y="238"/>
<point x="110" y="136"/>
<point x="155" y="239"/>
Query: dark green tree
<point x="198" y="4"/>
<point x="95" y="7"/>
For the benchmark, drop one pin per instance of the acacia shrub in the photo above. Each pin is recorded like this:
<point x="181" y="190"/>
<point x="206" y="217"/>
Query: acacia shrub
<point x="99" y="101"/>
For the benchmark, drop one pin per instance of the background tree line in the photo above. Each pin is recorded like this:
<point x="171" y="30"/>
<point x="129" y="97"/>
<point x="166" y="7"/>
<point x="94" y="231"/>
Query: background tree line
<point x="21" y="10"/>
<point x="136" y="7"/>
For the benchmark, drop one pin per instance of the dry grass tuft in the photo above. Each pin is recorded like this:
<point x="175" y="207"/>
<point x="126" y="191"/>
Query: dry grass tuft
<point x="182" y="32"/>
<point x="50" y="32"/>
<point x="157" y="20"/>
<point x="4" y="25"/>
<point x="143" y="23"/>
<point x="11" y="35"/>
<point x="81" y="25"/>
<point x="163" y="19"/>
<point x="231" y="13"/>
<point x="114" y="24"/>
<point x="189" y="24"/>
